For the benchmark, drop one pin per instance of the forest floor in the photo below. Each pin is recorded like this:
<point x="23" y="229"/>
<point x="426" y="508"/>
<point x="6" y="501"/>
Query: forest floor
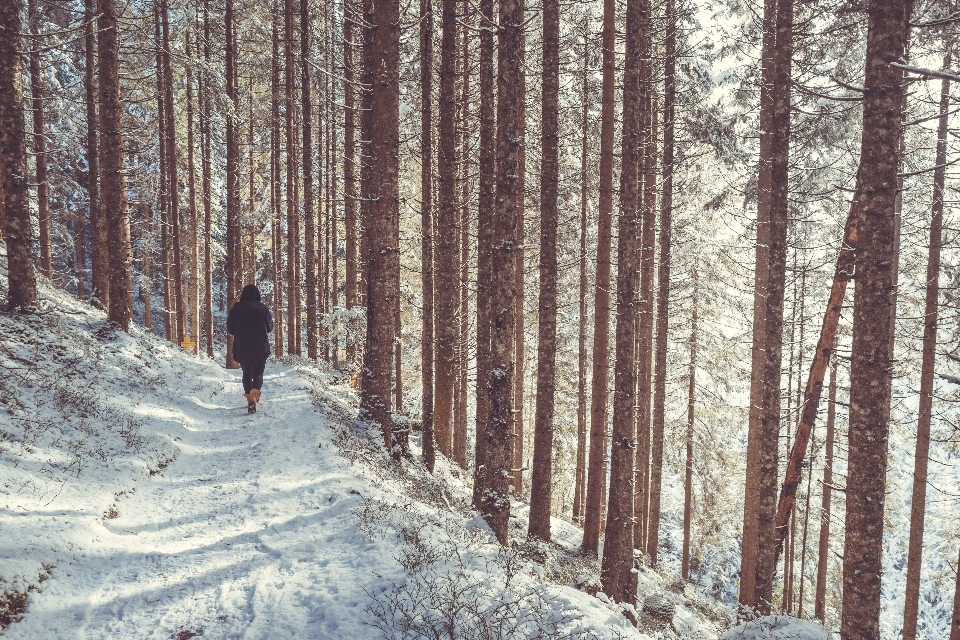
<point x="138" y="499"/>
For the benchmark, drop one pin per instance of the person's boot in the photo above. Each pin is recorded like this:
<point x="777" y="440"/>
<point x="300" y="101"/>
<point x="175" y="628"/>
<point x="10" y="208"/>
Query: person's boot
<point x="251" y="403"/>
<point x="254" y="397"/>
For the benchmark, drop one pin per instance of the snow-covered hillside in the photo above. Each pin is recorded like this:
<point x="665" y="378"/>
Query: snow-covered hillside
<point x="139" y="500"/>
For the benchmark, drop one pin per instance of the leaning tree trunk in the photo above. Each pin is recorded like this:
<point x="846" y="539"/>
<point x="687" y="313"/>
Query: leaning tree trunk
<point x="617" y="562"/>
<point x="542" y="478"/>
<point x="382" y="225"/>
<point x="113" y="184"/>
<point x="18" y="234"/>
<point x="40" y="143"/>
<point x="426" y="222"/>
<point x="599" y="393"/>
<point x="871" y="355"/>
<point x="498" y="448"/>
<point x="931" y="311"/>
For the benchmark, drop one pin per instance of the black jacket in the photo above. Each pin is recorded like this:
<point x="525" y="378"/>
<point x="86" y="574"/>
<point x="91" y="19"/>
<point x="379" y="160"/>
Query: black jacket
<point x="249" y="322"/>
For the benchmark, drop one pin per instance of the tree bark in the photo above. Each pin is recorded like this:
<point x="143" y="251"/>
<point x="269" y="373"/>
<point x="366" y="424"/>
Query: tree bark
<point x="446" y="238"/>
<point x="309" y="213"/>
<point x="194" y="294"/>
<point x="748" y="596"/>
<point x="173" y="181"/>
<point x="872" y="350"/>
<point x="930" y="317"/>
<point x="541" y="482"/>
<point x="293" y="238"/>
<point x="39" y="143"/>
<point x="426" y="228"/>
<point x="599" y="392"/>
<point x="498" y="448"/>
<point x="955" y="618"/>
<point x="233" y="261"/>
<point x="620" y="531"/>
<point x="18" y="233"/>
<point x="486" y="204"/>
<point x="349" y="161"/>
<point x="691" y="415"/>
<point x="463" y="313"/>
<point x="205" y="142"/>
<point x="113" y="183"/>
<point x="823" y="551"/>
<point x="99" y="249"/>
<point x="382" y="226"/>
<point x="276" y="221"/>
<point x="581" y="471"/>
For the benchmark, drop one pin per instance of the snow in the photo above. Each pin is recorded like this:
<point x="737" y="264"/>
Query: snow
<point x="777" y="628"/>
<point x="151" y="505"/>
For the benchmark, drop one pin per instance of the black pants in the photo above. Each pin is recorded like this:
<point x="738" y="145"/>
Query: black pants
<point x="253" y="375"/>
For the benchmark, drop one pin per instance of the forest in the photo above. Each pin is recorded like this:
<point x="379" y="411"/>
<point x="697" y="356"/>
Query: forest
<point x="679" y="276"/>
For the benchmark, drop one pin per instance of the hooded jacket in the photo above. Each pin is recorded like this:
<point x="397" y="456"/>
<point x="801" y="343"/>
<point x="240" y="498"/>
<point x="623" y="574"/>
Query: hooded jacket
<point x="249" y="322"/>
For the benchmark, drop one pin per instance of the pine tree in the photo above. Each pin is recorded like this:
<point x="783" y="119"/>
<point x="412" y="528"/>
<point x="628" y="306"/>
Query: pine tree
<point x="39" y="142"/>
<point x="18" y="234"/>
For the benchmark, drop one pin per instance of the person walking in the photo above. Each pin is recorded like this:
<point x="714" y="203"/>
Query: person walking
<point x="249" y="322"/>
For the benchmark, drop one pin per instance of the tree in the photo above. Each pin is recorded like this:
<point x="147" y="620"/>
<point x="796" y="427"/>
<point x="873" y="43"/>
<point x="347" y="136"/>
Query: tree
<point x="498" y="448"/>
<point x="691" y="413"/>
<point x="599" y="393"/>
<point x="930" y="316"/>
<point x="619" y="541"/>
<point x="820" y="598"/>
<point x="486" y="203"/>
<point x="382" y="216"/>
<point x="99" y="249"/>
<point x="309" y="214"/>
<point x="446" y="237"/>
<point x="871" y="354"/>
<point x="18" y="234"/>
<point x="39" y="143"/>
<point x="426" y="227"/>
<point x="112" y="181"/>
<point x="542" y="477"/>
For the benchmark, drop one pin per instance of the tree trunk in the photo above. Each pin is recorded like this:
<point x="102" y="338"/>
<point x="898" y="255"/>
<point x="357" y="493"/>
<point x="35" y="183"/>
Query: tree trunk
<point x="113" y="184"/>
<point x="426" y="228"/>
<point x="310" y="215"/>
<point x="498" y="448"/>
<point x="541" y="481"/>
<point x="99" y="249"/>
<point x="955" y="618"/>
<point x="39" y="143"/>
<point x="349" y="160"/>
<point x="663" y="284"/>
<point x="194" y="295"/>
<point x="463" y="324"/>
<point x="147" y="283"/>
<point x="581" y="471"/>
<point x="691" y="409"/>
<point x="486" y="216"/>
<point x="871" y="352"/>
<point x="824" y="545"/>
<point x="382" y="225"/>
<point x="163" y="195"/>
<point x="205" y="152"/>
<point x="232" y="266"/>
<point x="748" y="596"/>
<point x="618" y="543"/>
<point x="276" y="217"/>
<point x="18" y="233"/>
<point x="446" y="238"/>
<point x="599" y="392"/>
<point x="930" y="316"/>
<point x="647" y="174"/>
<point x="173" y="180"/>
<point x="293" y="238"/>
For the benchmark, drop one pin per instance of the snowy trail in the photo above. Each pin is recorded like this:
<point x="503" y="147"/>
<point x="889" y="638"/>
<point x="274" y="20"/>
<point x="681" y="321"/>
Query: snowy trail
<point x="247" y="534"/>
